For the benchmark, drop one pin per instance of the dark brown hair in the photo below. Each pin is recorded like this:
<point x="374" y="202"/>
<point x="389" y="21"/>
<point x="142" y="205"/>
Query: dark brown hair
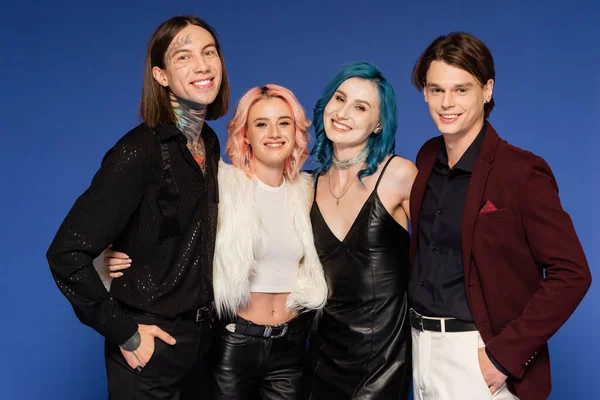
<point x="155" y="106"/>
<point x="460" y="50"/>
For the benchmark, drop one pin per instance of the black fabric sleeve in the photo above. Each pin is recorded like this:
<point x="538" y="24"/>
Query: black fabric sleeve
<point x="96" y="219"/>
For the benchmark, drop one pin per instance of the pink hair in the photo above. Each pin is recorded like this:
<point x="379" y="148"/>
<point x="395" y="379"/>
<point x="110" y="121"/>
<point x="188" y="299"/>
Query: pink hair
<point x="236" y="147"/>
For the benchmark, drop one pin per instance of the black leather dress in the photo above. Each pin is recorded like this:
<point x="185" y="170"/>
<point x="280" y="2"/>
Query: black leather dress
<point x="361" y="348"/>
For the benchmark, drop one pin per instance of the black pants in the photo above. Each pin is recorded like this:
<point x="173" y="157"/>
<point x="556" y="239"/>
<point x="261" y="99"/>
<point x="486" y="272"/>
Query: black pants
<point x="251" y="367"/>
<point x="174" y="372"/>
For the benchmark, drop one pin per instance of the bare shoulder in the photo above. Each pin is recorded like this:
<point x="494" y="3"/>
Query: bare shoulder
<point x="401" y="172"/>
<point x="396" y="183"/>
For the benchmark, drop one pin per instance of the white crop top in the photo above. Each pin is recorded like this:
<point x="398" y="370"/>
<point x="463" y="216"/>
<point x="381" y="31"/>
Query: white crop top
<point x="281" y="250"/>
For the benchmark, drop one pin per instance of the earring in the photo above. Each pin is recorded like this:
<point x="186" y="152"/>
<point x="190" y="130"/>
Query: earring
<point x="247" y="159"/>
<point x="293" y="163"/>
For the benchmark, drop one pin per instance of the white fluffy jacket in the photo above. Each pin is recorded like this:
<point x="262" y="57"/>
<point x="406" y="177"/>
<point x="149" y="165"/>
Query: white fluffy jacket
<point x="239" y="232"/>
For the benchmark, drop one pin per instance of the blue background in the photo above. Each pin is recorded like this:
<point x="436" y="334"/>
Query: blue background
<point x="70" y="76"/>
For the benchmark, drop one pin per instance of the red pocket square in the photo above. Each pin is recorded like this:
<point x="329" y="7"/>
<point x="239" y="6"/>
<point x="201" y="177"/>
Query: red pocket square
<point x="488" y="207"/>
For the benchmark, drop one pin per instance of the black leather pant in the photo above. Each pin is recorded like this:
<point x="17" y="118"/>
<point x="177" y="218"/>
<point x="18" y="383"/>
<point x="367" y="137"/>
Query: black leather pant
<point x="252" y="367"/>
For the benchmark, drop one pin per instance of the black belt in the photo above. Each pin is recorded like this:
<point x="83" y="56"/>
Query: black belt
<point x="252" y="329"/>
<point x="197" y="315"/>
<point x="422" y="323"/>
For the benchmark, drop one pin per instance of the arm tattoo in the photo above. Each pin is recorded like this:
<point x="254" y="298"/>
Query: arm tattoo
<point x="133" y="342"/>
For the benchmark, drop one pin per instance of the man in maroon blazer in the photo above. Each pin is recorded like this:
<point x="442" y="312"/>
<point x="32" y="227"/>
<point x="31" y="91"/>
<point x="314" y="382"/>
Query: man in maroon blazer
<point x="497" y="267"/>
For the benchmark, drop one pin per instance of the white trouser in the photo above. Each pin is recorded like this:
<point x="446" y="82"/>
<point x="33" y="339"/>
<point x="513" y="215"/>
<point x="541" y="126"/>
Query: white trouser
<point x="446" y="367"/>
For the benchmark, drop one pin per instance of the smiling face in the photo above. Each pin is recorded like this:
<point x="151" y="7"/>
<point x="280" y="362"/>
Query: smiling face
<point x="456" y="99"/>
<point x="352" y="113"/>
<point x="193" y="69"/>
<point x="271" y="134"/>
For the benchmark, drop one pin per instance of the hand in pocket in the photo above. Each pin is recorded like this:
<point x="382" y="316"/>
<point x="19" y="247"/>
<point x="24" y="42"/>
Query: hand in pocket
<point x="140" y="356"/>
<point x="493" y="378"/>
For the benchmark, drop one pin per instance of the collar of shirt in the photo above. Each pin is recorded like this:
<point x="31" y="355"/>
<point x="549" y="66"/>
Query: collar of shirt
<point x="167" y="131"/>
<point x="170" y="130"/>
<point x="466" y="162"/>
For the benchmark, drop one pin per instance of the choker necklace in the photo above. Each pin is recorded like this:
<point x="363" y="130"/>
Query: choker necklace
<point x="352" y="161"/>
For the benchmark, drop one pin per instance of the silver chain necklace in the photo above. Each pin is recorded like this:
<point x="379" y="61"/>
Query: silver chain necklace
<point x="337" y="198"/>
<point x="352" y="161"/>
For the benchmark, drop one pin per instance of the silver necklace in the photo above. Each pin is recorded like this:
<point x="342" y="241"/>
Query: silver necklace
<point x="352" y="161"/>
<point x="337" y="198"/>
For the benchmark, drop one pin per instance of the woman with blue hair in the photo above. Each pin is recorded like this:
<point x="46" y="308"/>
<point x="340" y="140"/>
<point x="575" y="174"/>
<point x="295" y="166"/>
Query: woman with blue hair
<point x="361" y="346"/>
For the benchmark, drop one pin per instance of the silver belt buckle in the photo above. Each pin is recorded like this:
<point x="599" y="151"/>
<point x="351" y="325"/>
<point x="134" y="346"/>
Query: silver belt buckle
<point x="283" y="332"/>
<point x="419" y="317"/>
<point x="208" y="316"/>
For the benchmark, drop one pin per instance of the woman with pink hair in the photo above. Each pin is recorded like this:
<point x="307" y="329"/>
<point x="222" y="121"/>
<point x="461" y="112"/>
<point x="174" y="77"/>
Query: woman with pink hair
<point x="267" y="278"/>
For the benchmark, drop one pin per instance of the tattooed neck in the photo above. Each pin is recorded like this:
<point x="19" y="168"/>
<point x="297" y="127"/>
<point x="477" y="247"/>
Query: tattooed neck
<point x="189" y="118"/>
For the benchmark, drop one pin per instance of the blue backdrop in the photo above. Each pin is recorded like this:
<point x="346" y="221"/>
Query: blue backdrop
<point x="71" y="78"/>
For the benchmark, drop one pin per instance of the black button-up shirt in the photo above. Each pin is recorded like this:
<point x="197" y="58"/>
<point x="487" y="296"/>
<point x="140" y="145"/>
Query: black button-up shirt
<point x="150" y="200"/>
<point x="436" y="286"/>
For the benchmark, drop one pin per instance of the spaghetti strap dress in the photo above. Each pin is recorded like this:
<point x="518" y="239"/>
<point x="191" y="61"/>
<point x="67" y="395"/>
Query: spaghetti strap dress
<point x="361" y="348"/>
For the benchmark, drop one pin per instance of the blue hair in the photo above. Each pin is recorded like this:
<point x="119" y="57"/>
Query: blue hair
<point x="379" y="145"/>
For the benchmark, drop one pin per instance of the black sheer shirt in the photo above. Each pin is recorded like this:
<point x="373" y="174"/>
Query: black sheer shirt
<point x="151" y="200"/>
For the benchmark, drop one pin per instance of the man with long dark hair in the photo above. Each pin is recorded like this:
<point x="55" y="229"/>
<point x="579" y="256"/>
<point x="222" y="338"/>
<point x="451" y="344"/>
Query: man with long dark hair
<point x="154" y="198"/>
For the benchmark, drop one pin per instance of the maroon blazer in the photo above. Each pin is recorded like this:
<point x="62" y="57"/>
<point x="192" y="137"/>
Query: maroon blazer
<point x="506" y="253"/>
